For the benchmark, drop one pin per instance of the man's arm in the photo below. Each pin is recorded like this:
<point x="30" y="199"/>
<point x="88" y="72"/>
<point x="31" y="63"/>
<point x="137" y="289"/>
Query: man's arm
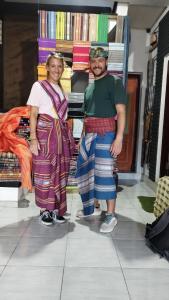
<point x="121" y="120"/>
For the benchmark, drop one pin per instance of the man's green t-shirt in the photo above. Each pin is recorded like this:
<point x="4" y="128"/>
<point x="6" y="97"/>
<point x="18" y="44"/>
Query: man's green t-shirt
<point x="102" y="95"/>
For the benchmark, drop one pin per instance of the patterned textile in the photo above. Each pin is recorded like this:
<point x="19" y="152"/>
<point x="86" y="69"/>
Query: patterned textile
<point x="45" y="46"/>
<point x="64" y="46"/>
<point x="81" y="55"/>
<point x="51" y="165"/>
<point x="95" y="167"/>
<point x="116" y="57"/>
<point x="60" y="106"/>
<point x="9" y="167"/>
<point x="162" y="196"/>
<point x="92" y="124"/>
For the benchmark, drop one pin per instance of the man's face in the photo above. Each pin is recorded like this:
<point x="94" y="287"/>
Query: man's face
<point x="98" y="65"/>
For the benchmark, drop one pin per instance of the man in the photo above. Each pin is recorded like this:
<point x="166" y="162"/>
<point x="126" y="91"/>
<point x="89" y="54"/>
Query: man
<point x="101" y="141"/>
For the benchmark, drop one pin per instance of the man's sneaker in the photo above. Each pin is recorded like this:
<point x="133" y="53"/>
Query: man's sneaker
<point x="108" y="224"/>
<point x="58" y="219"/>
<point x="46" y="217"/>
<point x="80" y="213"/>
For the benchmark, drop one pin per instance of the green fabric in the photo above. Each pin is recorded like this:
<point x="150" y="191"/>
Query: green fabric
<point x="102" y="95"/>
<point x="102" y="28"/>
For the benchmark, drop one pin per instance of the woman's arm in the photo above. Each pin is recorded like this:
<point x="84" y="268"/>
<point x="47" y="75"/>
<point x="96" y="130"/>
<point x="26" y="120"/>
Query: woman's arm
<point x="34" y="145"/>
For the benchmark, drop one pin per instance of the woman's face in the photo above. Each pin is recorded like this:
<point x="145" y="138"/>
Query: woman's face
<point x="55" y="69"/>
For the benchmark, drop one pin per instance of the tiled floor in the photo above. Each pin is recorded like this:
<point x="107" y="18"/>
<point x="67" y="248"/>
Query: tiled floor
<point x="73" y="261"/>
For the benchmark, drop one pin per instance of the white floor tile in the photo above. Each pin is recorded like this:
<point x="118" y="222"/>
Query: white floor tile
<point x="39" y="252"/>
<point x="91" y="253"/>
<point x="135" y="254"/>
<point x="7" y="246"/>
<point x="115" y="266"/>
<point x="129" y="230"/>
<point x="1" y="269"/>
<point x="18" y="283"/>
<point x="37" y="229"/>
<point x="147" y="284"/>
<point x="8" y="227"/>
<point x="93" y="284"/>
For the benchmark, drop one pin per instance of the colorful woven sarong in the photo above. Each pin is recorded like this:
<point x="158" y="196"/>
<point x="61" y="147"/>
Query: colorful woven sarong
<point x="51" y="165"/>
<point x="95" y="167"/>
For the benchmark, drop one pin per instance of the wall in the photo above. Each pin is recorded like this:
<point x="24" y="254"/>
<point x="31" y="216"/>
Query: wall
<point x="19" y="58"/>
<point x="138" y="57"/>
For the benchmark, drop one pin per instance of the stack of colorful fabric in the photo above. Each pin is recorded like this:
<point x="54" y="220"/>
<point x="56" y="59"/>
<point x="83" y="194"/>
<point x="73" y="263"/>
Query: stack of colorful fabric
<point x="73" y="26"/>
<point x="116" y="57"/>
<point x="81" y="56"/>
<point x="23" y="130"/>
<point x="66" y="49"/>
<point x="45" y="47"/>
<point x="75" y="105"/>
<point x="10" y="170"/>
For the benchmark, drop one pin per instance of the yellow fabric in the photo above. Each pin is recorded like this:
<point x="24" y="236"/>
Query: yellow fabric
<point x="162" y="196"/>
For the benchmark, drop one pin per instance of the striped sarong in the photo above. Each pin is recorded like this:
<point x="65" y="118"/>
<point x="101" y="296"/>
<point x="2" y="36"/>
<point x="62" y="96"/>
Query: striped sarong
<point x="51" y="165"/>
<point x="95" y="166"/>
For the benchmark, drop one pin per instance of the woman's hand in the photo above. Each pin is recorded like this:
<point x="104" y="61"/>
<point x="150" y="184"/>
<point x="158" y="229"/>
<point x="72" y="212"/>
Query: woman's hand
<point x="34" y="146"/>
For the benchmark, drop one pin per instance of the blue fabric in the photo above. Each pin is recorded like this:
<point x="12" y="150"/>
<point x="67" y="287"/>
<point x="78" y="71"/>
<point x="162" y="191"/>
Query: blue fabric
<point x="95" y="167"/>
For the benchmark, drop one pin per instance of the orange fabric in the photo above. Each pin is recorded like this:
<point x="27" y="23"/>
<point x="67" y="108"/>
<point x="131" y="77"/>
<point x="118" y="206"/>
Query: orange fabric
<point x="9" y="141"/>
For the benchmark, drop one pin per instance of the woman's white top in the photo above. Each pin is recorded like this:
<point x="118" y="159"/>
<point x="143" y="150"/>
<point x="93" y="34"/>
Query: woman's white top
<point x="39" y="98"/>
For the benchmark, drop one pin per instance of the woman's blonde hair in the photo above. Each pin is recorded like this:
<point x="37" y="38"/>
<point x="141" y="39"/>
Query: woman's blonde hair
<point x="58" y="56"/>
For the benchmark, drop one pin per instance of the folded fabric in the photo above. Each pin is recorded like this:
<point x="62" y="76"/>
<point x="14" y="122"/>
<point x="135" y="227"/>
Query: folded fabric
<point x="15" y="144"/>
<point x="45" y="47"/>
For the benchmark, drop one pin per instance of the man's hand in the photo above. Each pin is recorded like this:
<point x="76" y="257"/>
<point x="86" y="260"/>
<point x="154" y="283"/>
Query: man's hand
<point x="116" y="147"/>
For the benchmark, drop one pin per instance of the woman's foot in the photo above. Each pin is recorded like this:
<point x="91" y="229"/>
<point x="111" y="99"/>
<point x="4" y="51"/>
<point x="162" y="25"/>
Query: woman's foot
<point x="57" y="219"/>
<point x="46" y="217"/>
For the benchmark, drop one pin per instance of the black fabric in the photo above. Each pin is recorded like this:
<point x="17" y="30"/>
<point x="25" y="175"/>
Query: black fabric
<point x="157" y="235"/>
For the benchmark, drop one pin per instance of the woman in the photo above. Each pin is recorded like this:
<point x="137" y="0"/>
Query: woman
<point x="51" y="142"/>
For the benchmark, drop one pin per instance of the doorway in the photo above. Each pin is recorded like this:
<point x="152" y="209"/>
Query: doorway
<point x="127" y="158"/>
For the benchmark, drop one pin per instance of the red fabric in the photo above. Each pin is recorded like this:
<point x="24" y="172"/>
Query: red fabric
<point x="9" y="141"/>
<point x="99" y="125"/>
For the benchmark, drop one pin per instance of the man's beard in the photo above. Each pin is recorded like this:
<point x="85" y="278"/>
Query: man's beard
<point x="101" y="73"/>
